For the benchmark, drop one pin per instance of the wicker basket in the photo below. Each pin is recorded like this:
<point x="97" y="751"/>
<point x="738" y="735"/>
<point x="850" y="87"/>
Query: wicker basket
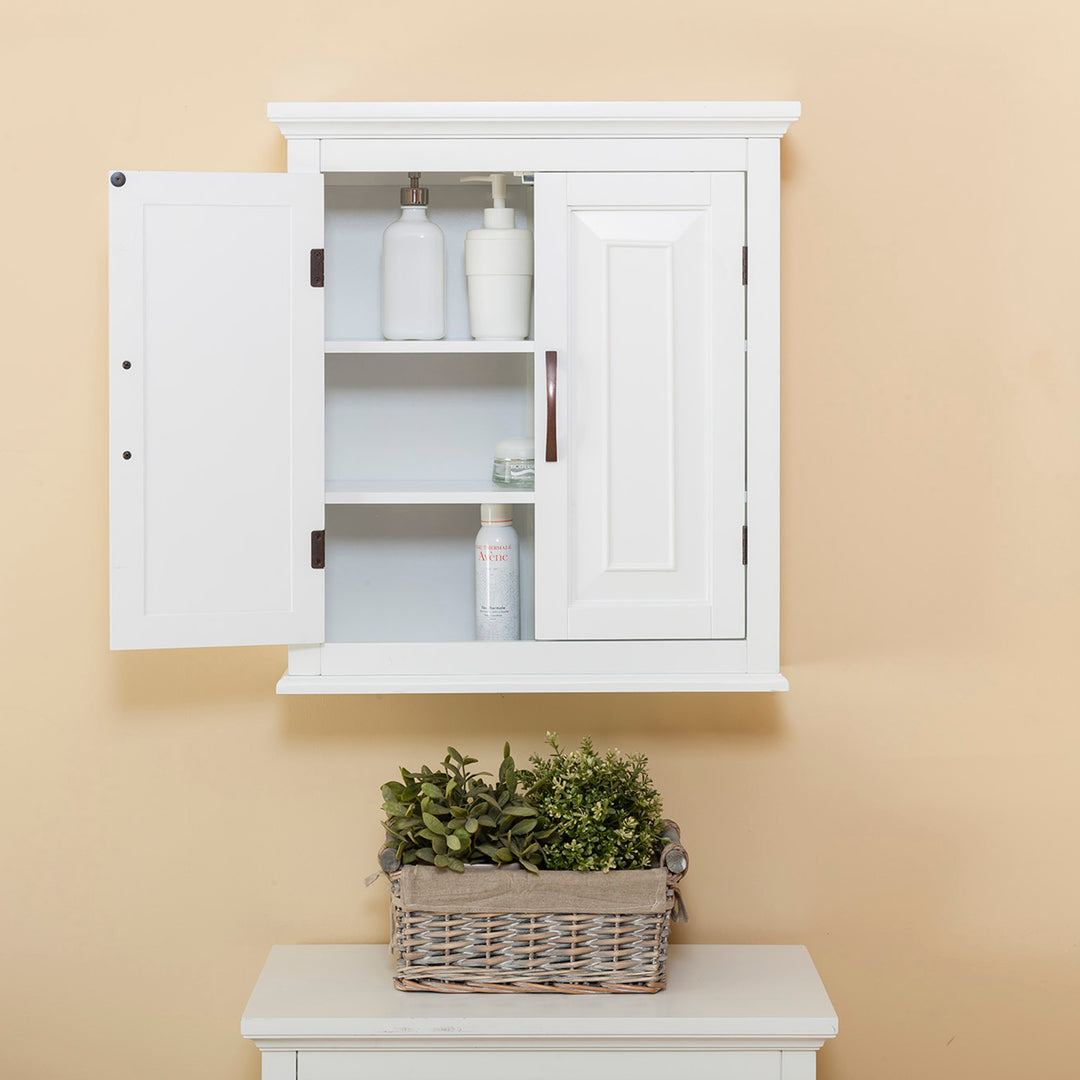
<point x="504" y="930"/>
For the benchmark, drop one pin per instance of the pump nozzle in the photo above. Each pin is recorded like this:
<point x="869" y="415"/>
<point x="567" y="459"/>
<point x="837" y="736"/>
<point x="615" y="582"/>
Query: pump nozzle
<point x="414" y="194"/>
<point x="498" y="187"/>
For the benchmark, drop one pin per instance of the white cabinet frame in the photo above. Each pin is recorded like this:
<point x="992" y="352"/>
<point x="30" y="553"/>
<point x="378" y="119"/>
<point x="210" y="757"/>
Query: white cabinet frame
<point x="535" y="137"/>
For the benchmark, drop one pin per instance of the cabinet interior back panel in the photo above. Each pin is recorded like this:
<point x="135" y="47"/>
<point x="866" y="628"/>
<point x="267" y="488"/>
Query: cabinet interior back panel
<point x="356" y="216"/>
<point x="436" y="417"/>
<point x="405" y="573"/>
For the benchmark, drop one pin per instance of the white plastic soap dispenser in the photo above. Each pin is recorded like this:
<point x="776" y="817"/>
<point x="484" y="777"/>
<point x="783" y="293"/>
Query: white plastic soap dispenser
<point x="413" y="271"/>
<point x="499" y="270"/>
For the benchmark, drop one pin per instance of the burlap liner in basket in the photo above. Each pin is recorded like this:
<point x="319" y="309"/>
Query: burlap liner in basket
<point x="506" y="891"/>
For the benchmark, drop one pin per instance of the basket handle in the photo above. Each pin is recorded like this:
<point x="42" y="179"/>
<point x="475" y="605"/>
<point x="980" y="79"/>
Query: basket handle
<point x="675" y="860"/>
<point x="670" y="832"/>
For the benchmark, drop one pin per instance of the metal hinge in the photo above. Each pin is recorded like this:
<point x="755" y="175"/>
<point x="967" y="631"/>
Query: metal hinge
<point x="318" y="549"/>
<point x="744" y="264"/>
<point x="744" y="545"/>
<point x="318" y="257"/>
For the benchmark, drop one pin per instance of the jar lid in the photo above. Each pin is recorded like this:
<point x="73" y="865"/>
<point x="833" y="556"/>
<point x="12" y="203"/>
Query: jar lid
<point x="496" y="514"/>
<point x="515" y="449"/>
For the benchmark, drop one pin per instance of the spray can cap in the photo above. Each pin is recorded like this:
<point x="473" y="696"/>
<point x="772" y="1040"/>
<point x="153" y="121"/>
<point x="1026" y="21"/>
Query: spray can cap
<point x="496" y="514"/>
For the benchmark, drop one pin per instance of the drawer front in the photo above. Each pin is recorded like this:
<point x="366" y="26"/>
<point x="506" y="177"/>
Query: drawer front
<point x="540" y="1064"/>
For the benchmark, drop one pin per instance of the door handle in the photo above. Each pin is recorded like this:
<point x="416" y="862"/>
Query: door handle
<point x="552" y="451"/>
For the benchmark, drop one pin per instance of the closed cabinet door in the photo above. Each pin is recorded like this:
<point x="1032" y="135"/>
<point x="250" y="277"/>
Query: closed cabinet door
<point x="640" y="319"/>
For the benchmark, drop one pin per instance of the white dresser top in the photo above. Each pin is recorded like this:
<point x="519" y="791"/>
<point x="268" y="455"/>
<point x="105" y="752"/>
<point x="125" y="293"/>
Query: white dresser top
<point x="343" y="995"/>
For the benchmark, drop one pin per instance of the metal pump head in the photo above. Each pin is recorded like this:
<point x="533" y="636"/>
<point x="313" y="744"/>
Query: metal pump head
<point x="414" y="194"/>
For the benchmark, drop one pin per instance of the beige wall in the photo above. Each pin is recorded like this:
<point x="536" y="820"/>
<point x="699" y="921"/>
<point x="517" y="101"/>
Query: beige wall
<point x="909" y="810"/>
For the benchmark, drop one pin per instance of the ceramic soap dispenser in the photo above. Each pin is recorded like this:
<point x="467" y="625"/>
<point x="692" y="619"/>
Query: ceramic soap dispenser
<point x="413" y="271"/>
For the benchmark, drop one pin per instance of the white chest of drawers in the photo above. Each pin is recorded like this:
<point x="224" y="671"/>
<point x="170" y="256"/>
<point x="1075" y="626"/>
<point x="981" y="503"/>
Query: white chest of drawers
<point x="731" y="1012"/>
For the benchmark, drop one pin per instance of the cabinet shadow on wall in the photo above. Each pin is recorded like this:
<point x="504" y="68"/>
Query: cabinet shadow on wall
<point x="614" y="719"/>
<point x="164" y="680"/>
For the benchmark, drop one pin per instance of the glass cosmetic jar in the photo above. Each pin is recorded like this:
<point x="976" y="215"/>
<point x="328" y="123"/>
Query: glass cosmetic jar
<point x="514" y="463"/>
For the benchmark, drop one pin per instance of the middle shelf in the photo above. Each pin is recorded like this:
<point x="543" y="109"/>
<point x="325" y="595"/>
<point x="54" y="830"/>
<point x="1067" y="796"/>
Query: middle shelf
<point x="401" y="429"/>
<point x="427" y="491"/>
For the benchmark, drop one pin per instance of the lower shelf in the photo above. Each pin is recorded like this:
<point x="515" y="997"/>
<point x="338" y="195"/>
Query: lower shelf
<point x="405" y="573"/>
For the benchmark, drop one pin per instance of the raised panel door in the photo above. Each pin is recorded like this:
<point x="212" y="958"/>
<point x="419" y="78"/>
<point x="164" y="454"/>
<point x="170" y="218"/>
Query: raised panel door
<point x="639" y="521"/>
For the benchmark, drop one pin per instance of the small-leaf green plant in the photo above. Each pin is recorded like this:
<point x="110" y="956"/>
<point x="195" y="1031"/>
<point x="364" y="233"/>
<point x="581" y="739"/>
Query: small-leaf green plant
<point x="450" y="817"/>
<point x="596" y="812"/>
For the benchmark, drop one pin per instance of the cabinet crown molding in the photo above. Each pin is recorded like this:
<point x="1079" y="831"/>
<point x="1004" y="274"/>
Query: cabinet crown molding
<point x="532" y="119"/>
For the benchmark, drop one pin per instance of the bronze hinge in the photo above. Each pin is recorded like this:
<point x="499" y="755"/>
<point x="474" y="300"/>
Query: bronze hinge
<point x="317" y="260"/>
<point x="318" y="549"/>
<point x="744" y="264"/>
<point x="744" y="545"/>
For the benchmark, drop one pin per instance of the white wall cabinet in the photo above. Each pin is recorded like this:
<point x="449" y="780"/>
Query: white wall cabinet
<point x="280" y="474"/>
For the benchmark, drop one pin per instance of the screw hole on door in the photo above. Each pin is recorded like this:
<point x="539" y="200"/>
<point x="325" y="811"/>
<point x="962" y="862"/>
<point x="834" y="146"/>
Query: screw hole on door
<point x="126" y="455"/>
<point x="126" y="364"/>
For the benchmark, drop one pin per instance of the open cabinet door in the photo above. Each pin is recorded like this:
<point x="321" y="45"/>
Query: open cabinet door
<point x="215" y="395"/>
<point x="640" y="509"/>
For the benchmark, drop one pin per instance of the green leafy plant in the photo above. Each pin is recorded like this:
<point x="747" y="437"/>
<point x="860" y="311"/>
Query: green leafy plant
<point x="450" y="817"/>
<point x="596" y="812"/>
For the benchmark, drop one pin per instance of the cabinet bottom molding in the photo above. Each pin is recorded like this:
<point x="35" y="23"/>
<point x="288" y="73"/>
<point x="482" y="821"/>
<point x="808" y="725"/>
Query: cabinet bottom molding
<point x="528" y="684"/>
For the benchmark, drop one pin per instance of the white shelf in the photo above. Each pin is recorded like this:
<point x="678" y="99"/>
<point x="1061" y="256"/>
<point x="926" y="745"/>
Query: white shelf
<point x="427" y="348"/>
<point x="419" y="492"/>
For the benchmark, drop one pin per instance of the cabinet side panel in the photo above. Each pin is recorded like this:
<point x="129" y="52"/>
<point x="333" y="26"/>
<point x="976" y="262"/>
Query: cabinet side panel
<point x="763" y="405"/>
<point x="214" y="490"/>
